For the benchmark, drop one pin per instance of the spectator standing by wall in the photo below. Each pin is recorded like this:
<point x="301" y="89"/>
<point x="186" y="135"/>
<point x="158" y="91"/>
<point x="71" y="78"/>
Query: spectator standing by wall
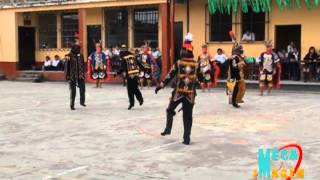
<point x="293" y="56"/>
<point x="156" y="65"/>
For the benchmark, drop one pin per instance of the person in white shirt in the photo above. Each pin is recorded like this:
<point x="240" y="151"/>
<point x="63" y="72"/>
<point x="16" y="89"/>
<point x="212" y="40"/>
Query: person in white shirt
<point x="221" y="59"/>
<point x="47" y="66"/>
<point x="107" y="52"/>
<point x="116" y="51"/>
<point x="248" y="36"/>
<point x="56" y="63"/>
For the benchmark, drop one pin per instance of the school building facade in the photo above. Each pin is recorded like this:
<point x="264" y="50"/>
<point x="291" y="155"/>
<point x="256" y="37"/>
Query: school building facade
<point x="31" y="30"/>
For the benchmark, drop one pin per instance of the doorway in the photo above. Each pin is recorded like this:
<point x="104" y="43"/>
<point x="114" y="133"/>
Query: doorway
<point x="26" y="40"/>
<point x="287" y="33"/>
<point x="93" y="36"/>
<point x="178" y="39"/>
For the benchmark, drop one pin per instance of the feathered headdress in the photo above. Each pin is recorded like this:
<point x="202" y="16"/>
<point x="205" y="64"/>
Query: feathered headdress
<point x="237" y="48"/>
<point x="187" y="43"/>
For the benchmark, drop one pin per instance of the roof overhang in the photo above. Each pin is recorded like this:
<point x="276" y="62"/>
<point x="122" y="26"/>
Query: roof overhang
<point x="79" y="4"/>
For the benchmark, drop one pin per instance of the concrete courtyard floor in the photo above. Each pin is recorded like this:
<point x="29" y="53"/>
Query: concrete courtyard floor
<point x="42" y="139"/>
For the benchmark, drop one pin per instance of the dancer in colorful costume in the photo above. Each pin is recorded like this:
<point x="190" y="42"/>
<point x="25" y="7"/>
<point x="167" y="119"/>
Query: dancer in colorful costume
<point x="186" y="72"/>
<point x="206" y="69"/>
<point x="268" y="68"/>
<point x="75" y="73"/>
<point x="145" y="70"/>
<point x="235" y="82"/>
<point x="98" y="65"/>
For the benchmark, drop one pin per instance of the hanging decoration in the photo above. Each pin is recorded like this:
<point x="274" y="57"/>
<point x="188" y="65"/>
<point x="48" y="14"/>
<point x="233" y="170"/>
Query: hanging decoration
<point x="228" y="6"/>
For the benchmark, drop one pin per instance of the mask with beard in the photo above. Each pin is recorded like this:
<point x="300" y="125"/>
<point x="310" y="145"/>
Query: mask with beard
<point x="75" y="49"/>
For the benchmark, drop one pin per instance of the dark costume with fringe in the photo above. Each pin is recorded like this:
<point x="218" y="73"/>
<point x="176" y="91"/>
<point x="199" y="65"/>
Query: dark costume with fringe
<point x="235" y="83"/>
<point x="75" y="73"/>
<point x="131" y="73"/>
<point x="186" y="72"/>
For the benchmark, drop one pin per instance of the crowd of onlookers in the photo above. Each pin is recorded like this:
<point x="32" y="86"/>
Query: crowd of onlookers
<point x="56" y="64"/>
<point x="294" y="67"/>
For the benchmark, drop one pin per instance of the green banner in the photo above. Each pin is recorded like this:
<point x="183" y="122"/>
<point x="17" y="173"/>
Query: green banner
<point x="228" y="6"/>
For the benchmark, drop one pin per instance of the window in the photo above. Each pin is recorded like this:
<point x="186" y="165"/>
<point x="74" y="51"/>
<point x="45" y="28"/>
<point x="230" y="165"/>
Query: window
<point x="254" y="23"/>
<point x="146" y="26"/>
<point x="117" y="27"/>
<point x="47" y="31"/>
<point x="70" y="27"/>
<point x="220" y="25"/>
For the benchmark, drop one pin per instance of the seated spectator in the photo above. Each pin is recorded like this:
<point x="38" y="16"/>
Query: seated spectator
<point x="309" y="65"/>
<point x="57" y="64"/>
<point x="221" y="59"/>
<point x="47" y="66"/>
<point x="248" y="36"/>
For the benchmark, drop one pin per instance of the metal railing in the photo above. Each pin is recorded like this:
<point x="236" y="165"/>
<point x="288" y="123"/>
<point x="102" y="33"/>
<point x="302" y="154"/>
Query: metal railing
<point x="26" y="3"/>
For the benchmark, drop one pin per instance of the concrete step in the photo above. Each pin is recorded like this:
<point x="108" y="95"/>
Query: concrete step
<point x="29" y="76"/>
<point x="2" y="77"/>
<point x="25" y="79"/>
<point x="31" y="72"/>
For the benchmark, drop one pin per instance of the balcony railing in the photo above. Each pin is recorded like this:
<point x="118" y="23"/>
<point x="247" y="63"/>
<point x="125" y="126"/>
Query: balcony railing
<point x="28" y="3"/>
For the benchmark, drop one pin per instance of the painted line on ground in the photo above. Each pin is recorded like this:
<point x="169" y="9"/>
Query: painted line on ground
<point x="12" y="111"/>
<point x="66" y="172"/>
<point x="304" y="108"/>
<point x="143" y="131"/>
<point x="159" y="147"/>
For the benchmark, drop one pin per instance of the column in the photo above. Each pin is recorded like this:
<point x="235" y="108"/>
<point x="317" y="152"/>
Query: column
<point x="130" y="28"/>
<point x="165" y="39"/>
<point x="82" y="31"/>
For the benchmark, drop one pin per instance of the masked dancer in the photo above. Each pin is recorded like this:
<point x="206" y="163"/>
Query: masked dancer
<point x="186" y="72"/>
<point x="75" y="73"/>
<point x="235" y="81"/>
<point x="131" y="73"/>
<point x="268" y="68"/>
<point x="206" y="69"/>
<point x="146" y="66"/>
<point x="98" y="65"/>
